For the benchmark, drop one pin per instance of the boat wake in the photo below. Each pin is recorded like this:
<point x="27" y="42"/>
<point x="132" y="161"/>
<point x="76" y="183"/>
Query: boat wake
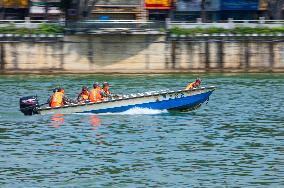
<point x="137" y="111"/>
<point x="132" y="111"/>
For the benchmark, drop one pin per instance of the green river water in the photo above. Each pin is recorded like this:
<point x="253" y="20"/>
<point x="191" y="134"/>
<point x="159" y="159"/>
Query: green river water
<point x="236" y="140"/>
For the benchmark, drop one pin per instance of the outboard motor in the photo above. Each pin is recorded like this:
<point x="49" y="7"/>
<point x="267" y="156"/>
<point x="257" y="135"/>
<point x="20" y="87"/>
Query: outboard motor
<point x="29" y="105"/>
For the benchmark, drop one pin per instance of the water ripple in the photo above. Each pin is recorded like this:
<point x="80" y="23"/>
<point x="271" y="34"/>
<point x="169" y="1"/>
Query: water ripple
<point x="236" y="140"/>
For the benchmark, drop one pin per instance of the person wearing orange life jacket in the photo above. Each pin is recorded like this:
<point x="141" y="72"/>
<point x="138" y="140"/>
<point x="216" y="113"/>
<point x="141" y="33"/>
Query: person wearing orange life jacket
<point x="84" y="95"/>
<point x="105" y="93"/>
<point x="50" y="97"/>
<point x="95" y="93"/>
<point x="194" y="84"/>
<point x="58" y="98"/>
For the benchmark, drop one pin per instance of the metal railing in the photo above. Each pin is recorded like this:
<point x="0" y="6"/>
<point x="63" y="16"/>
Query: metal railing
<point x="230" y="23"/>
<point x="261" y="21"/>
<point x="29" y="23"/>
<point x="89" y="25"/>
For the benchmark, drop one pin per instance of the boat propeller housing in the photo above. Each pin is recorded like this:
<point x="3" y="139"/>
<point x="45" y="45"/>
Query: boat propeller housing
<point x="28" y="105"/>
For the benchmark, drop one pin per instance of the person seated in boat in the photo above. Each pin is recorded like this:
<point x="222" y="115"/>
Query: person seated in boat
<point x="54" y="91"/>
<point x="194" y="84"/>
<point x="105" y="93"/>
<point x="84" y="95"/>
<point x="95" y="93"/>
<point x="58" y="98"/>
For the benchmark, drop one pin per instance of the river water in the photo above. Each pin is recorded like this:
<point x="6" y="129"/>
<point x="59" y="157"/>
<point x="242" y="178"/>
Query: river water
<point x="236" y="140"/>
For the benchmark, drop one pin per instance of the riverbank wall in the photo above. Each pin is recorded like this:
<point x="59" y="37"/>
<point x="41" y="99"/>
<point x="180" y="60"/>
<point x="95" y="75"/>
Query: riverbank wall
<point x="143" y="53"/>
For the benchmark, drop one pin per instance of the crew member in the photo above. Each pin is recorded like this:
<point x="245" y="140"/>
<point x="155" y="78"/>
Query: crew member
<point x="58" y="98"/>
<point x="105" y="93"/>
<point x="95" y="93"/>
<point x="84" y="95"/>
<point x="50" y="97"/>
<point x="194" y="84"/>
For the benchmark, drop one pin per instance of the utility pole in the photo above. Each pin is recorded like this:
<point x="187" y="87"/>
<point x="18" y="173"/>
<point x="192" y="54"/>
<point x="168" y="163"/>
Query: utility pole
<point x="46" y="7"/>
<point x="2" y="10"/>
<point x="203" y="11"/>
<point x="172" y="10"/>
<point x="85" y="8"/>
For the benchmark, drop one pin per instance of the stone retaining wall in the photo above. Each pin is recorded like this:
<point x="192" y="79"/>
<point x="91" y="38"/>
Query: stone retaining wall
<point x="143" y="54"/>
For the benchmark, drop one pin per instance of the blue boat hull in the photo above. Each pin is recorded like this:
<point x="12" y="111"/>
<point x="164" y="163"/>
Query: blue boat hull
<point x="173" y="104"/>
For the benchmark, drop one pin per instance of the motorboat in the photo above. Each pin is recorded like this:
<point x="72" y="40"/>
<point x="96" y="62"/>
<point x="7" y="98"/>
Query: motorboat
<point x="182" y="100"/>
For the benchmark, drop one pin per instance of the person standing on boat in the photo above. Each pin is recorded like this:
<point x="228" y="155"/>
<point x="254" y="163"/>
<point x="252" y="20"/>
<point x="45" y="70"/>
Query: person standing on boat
<point x="58" y="98"/>
<point x="194" y="84"/>
<point x="84" y="95"/>
<point x="95" y="93"/>
<point x="105" y="93"/>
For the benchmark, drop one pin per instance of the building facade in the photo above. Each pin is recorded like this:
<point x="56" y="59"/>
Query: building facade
<point x="217" y="10"/>
<point x="14" y="9"/>
<point x="118" y="10"/>
<point x="239" y="10"/>
<point x="45" y="9"/>
<point x="159" y="10"/>
<point x="190" y="10"/>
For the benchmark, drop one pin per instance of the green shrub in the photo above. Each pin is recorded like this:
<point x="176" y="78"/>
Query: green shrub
<point x="50" y="29"/>
<point x="236" y="30"/>
<point x="43" y="29"/>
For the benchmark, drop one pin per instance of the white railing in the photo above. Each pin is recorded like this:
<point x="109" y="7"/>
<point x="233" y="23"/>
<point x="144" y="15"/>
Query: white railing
<point x="114" y="24"/>
<point x="234" y="21"/>
<point x="228" y="24"/>
<point x="97" y="24"/>
<point x="29" y="23"/>
<point x="86" y="23"/>
<point x="116" y="21"/>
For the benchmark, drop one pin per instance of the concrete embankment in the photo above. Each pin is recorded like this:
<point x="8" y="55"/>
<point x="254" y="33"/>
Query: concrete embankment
<point x="143" y="54"/>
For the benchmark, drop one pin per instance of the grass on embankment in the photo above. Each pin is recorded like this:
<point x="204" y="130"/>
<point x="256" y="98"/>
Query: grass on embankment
<point x="42" y="29"/>
<point x="216" y="30"/>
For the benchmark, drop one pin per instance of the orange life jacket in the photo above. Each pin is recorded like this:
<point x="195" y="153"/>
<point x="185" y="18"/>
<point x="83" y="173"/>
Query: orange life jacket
<point x="95" y="95"/>
<point x="84" y="95"/>
<point x="56" y="99"/>
<point x="190" y="86"/>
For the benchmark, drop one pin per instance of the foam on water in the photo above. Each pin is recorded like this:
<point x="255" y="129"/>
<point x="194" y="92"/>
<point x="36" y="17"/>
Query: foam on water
<point x="136" y="110"/>
<point x="132" y="111"/>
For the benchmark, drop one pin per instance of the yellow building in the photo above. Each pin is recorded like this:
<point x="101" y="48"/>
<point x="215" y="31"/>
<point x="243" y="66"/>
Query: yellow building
<point x="15" y="3"/>
<point x="14" y="9"/>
